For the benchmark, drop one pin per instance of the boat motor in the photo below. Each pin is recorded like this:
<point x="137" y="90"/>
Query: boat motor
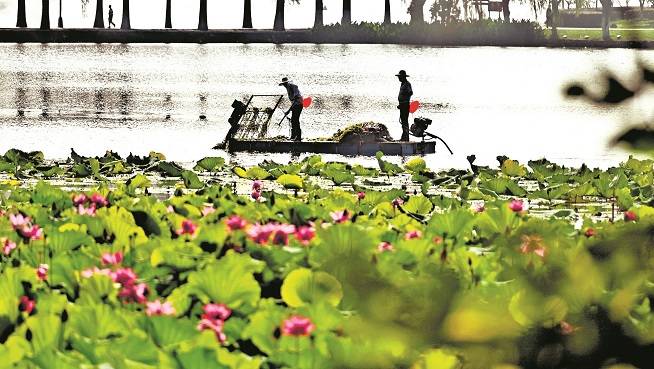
<point x="419" y="129"/>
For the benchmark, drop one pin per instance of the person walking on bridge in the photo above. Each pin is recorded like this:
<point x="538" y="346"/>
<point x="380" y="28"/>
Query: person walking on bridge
<point x="404" y="99"/>
<point x="296" y="99"/>
<point x="111" y="17"/>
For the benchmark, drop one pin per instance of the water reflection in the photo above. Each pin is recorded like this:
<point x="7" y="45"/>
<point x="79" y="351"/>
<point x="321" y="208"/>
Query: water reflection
<point x="158" y="93"/>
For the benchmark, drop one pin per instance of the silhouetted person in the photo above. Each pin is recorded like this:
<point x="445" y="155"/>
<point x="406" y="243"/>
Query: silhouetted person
<point x="111" y="17"/>
<point x="404" y="99"/>
<point x="296" y="99"/>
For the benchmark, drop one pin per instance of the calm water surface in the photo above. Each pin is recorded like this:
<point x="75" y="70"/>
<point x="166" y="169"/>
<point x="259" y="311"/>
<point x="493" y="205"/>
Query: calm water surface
<point x="136" y="98"/>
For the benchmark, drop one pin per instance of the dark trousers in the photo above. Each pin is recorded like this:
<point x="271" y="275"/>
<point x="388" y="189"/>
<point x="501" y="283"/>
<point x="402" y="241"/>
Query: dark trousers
<point x="296" y="132"/>
<point x="404" y="120"/>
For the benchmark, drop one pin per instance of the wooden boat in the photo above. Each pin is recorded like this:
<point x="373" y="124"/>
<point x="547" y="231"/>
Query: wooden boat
<point x="249" y="126"/>
<point x="331" y="147"/>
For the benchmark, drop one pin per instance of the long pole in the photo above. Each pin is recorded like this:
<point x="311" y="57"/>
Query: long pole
<point x="60" y="23"/>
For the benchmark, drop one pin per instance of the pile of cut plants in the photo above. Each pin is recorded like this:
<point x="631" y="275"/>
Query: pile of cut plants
<point x="321" y="264"/>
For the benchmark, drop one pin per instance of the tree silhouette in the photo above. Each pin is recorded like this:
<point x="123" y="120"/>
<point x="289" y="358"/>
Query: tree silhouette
<point x="169" y="20"/>
<point x="45" y="14"/>
<point x="202" y="23"/>
<point x="20" y="17"/>
<point x="387" y="12"/>
<point x="319" y="14"/>
<point x="99" y="19"/>
<point x="247" y="14"/>
<point x="279" y="14"/>
<point x="417" y="11"/>
<point x="607" y="6"/>
<point x="125" y="24"/>
<point x="347" y="12"/>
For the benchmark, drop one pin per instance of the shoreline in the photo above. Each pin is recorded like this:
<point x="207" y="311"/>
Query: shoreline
<point x="296" y="36"/>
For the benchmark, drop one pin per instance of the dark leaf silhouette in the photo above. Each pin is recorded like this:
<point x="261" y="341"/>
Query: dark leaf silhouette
<point x="637" y="139"/>
<point x="575" y="90"/>
<point x="617" y="93"/>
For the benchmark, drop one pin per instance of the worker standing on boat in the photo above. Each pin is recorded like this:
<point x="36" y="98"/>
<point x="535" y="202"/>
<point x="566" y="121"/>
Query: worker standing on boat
<point x="296" y="99"/>
<point x="404" y="99"/>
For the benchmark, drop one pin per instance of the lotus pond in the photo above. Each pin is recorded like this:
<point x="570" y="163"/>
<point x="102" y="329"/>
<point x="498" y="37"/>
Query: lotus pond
<point x="139" y="262"/>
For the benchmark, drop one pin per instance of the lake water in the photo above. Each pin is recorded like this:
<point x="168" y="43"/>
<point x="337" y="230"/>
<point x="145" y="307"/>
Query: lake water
<point x="486" y="101"/>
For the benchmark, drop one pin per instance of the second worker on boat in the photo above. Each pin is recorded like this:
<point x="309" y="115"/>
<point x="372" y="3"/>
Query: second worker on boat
<point x="296" y="99"/>
<point x="404" y="100"/>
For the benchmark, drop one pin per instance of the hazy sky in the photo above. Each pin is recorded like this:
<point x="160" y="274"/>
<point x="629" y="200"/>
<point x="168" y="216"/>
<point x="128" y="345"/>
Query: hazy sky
<point x="222" y="13"/>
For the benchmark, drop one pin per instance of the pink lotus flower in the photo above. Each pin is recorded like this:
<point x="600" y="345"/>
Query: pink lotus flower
<point x="112" y="259"/>
<point x="340" y="216"/>
<point x="361" y="195"/>
<point x="534" y="244"/>
<point x="188" y="227"/>
<point x="260" y="234"/>
<point x="478" y="208"/>
<point x="79" y="199"/>
<point x="33" y="232"/>
<point x="88" y="273"/>
<point x="412" y="235"/>
<point x="124" y="276"/>
<point x="90" y="211"/>
<point x="257" y="186"/>
<point x="216" y="311"/>
<point x="156" y="308"/>
<point x="256" y="195"/>
<point x="216" y="326"/>
<point x="42" y="272"/>
<point x="516" y="206"/>
<point x="385" y="246"/>
<point x="590" y="232"/>
<point x="134" y="293"/>
<point x="99" y="200"/>
<point x="305" y="234"/>
<point x="26" y="304"/>
<point x="297" y="326"/>
<point x="7" y="246"/>
<point x="567" y="328"/>
<point x="207" y="210"/>
<point x="235" y="223"/>
<point x="281" y="233"/>
<point x="18" y="221"/>
<point x="630" y="216"/>
<point x="398" y="202"/>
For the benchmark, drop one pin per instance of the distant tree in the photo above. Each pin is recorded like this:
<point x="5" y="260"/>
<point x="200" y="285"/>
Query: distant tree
<point x="417" y="11"/>
<point x="21" y="21"/>
<point x="445" y="11"/>
<point x="607" y="6"/>
<point x="247" y="14"/>
<point x="347" y="12"/>
<point x="202" y="23"/>
<point x="555" y="19"/>
<point x="279" y="14"/>
<point x="125" y="24"/>
<point x="45" y="14"/>
<point x="99" y="18"/>
<point x="506" y="12"/>
<point x="387" y="12"/>
<point x="318" y="22"/>
<point x="169" y="18"/>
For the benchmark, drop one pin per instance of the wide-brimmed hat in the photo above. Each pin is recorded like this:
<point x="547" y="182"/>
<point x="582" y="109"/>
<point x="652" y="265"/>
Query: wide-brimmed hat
<point x="402" y="74"/>
<point x="285" y="80"/>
